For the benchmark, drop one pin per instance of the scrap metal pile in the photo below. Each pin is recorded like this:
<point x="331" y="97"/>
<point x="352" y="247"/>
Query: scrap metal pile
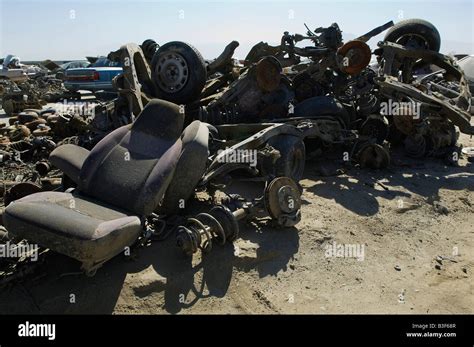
<point x="124" y="174"/>
<point x="34" y="93"/>
<point x="28" y="86"/>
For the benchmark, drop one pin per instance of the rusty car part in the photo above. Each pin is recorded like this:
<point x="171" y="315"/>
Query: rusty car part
<point x="223" y="63"/>
<point x="373" y="156"/>
<point x="149" y="48"/>
<point x="20" y="190"/>
<point x="376" y="127"/>
<point x="433" y="104"/>
<point x="281" y="201"/>
<point x="259" y="92"/>
<point x="200" y="231"/>
<point x="33" y="93"/>
<point x="374" y="32"/>
<point x="354" y="56"/>
<point x="268" y="74"/>
<point x="415" y="145"/>
<point x="135" y="83"/>
<point x="405" y="124"/>
<point x="43" y="167"/>
<point x="219" y="167"/>
<point x="437" y="105"/>
<point x="14" y="270"/>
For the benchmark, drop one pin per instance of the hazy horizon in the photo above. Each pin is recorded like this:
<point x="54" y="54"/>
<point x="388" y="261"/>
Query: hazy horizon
<point x="38" y="30"/>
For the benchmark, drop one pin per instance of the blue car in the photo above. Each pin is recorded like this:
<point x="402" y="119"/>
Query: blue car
<point x="97" y="76"/>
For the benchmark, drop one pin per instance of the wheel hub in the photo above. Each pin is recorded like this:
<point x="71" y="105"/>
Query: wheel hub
<point x="173" y="72"/>
<point x="283" y="201"/>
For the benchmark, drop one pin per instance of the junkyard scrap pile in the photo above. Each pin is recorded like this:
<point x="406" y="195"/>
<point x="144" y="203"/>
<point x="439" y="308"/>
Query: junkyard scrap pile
<point x="90" y="181"/>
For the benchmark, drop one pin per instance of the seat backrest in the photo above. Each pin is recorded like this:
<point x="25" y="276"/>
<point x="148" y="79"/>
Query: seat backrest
<point x="190" y="168"/>
<point x="131" y="167"/>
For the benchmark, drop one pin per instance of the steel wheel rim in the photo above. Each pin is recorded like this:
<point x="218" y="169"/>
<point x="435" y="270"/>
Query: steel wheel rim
<point x="172" y="72"/>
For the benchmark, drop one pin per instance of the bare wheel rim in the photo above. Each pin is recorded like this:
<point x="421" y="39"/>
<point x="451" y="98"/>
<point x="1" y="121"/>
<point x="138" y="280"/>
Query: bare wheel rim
<point x="172" y="71"/>
<point x="413" y="40"/>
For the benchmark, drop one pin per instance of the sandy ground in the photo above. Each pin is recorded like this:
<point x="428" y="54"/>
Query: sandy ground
<point x="416" y="228"/>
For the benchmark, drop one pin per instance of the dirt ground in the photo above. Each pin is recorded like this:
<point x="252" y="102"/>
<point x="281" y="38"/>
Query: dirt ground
<point x="415" y="222"/>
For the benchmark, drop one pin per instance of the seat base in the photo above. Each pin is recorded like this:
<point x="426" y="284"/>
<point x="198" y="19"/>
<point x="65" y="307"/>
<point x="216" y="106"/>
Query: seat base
<point x="73" y="225"/>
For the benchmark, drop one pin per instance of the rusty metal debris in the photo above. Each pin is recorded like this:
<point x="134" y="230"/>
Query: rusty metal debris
<point x="226" y="121"/>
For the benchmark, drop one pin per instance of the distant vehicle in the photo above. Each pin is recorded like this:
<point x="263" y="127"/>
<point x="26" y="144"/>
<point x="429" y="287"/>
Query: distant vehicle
<point x="96" y="76"/>
<point x="77" y="64"/>
<point x="15" y="71"/>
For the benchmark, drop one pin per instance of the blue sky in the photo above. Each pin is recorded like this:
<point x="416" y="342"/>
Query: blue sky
<point x="43" y="29"/>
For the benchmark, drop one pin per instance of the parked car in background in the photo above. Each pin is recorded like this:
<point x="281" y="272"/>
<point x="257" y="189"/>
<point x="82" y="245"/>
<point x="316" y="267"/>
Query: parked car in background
<point x="76" y="64"/>
<point x="96" y="76"/>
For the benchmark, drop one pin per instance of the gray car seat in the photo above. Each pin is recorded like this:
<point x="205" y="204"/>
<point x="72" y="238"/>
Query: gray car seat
<point x="120" y="181"/>
<point x="191" y="166"/>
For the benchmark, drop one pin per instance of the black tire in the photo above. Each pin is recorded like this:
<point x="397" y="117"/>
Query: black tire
<point x="419" y="27"/>
<point x="187" y="85"/>
<point x="292" y="156"/>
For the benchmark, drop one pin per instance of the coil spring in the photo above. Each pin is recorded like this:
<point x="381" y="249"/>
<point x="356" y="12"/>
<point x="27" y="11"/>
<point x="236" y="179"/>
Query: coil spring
<point x="149" y="47"/>
<point x="203" y="225"/>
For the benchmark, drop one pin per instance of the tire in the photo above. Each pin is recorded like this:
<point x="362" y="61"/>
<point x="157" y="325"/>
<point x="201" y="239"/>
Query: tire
<point x="419" y="27"/>
<point x="179" y="72"/>
<point x="292" y="156"/>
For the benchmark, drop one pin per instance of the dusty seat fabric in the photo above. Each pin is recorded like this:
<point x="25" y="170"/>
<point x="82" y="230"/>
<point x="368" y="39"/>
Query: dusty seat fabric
<point x="69" y="159"/>
<point x="132" y="167"/>
<point x="191" y="166"/>
<point x="73" y="225"/>
<point x="122" y="180"/>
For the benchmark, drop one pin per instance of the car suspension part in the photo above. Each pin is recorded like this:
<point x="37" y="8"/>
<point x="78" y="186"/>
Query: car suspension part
<point x="281" y="201"/>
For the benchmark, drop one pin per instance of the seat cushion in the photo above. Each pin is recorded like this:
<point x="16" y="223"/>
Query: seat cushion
<point x="72" y="225"/>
